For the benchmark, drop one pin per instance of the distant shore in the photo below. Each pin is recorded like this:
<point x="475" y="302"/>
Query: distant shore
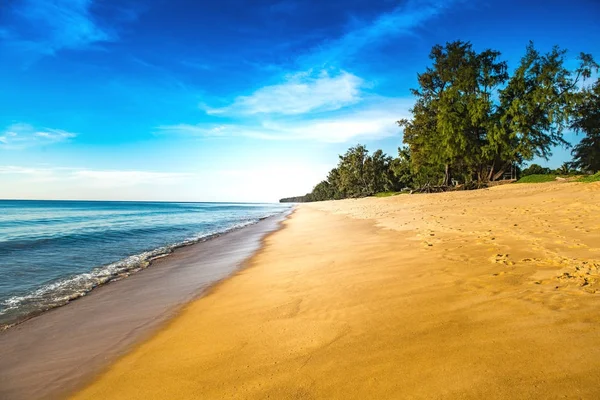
<point x="56" y="352"/>
<point x="484" y="294"/>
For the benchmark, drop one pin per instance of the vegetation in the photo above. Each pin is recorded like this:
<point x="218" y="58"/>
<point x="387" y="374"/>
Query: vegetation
<point x="537" y="178"/>
<point x="387" y="194"/>
<point x="472" y="122"/>
<point x="566" y="169"/>
<point x="535" y="169"/>
<point x="591" y="178"/>
<point x="586" y="155"/>
<point x="295" y="199"/>
<point x="358" y="174"/>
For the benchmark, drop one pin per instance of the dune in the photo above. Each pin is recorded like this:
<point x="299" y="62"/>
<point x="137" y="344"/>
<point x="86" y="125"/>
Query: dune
<point x="484" y="294"/>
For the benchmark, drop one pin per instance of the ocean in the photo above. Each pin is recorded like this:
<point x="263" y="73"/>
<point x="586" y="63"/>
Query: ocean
<point x="52" y="252"/>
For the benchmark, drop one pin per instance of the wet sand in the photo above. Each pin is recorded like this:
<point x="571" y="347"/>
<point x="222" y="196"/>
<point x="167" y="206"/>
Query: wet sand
<point x="55" y="353"/>
<point x="489" y="294"/>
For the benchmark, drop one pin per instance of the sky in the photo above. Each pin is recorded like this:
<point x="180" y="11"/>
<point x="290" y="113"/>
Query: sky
<point x="250" y="101"/>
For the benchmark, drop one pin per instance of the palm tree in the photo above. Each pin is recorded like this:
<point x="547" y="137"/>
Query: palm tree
<point x="565" y="169"/>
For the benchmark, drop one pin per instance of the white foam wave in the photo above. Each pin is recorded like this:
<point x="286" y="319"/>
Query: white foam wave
<point x="58" y="293"/>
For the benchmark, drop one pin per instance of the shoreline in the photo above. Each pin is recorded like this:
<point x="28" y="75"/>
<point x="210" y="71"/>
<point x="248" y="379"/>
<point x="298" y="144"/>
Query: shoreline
<point x="57" y="351"/>
<point x="149" y="256"/>
<point x="485" y="294"/>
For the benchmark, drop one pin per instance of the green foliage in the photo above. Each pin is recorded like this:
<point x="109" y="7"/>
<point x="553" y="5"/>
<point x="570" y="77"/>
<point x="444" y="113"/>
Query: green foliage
<point x="388" y="194"/>
<point x="534" y="106"/>
<point x="296" y="199"/>
<point x="586" y="155"/>
<point x="590" y="178"/>
<point x="360" y="174"/>
<point x="402" y="168"/>
<point x="537" y="179"/>
<point x="565" y="169"/>
<point x="323" y="191"/>
<point x="473" y="122"/>
<point x="535" y="169"/>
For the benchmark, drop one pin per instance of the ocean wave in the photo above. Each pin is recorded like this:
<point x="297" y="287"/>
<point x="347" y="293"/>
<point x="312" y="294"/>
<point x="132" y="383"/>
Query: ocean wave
<point x="57" y="293"/>
<point x="74" y="218"/>
<point x="93" y="233"/>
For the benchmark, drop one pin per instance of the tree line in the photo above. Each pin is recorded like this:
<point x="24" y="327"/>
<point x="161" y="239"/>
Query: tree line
<point x="472" y="122"/>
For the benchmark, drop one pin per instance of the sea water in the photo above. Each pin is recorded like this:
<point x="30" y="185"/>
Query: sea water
<point x="52" y="252"/>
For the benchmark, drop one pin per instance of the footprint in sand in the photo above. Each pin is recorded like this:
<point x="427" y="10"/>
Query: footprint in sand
<point x="501" y="259"/>
<point x="586" y="276"/>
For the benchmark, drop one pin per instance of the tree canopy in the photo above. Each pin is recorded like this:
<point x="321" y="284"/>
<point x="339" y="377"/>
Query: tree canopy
<point x="586" y="155"/>
<point x="472" y="121"/>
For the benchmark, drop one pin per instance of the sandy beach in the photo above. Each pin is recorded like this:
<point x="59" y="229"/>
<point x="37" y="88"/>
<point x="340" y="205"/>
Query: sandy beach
<point x="55" y="353"/>
<point x="485" y="294"/>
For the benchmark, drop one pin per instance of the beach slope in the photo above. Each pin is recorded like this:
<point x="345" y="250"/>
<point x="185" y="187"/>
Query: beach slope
<point x="486" y="294"/>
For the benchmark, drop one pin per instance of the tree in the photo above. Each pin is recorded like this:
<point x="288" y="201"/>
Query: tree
<point x="335" y="183"/>
<point x="564" y="169"/>
<point x="473" y="121"/>
<point x="377" y="170"/>
<point x="357" y="174"/>
<point x="322" y="191"/>
<point x="353" y="172"/>
<point x="401" y="168"/>
<point x="535" y="169"/>
<point x="586" y="155"/>
<point x="537" y="103"/>
<point x="453" y="111"/>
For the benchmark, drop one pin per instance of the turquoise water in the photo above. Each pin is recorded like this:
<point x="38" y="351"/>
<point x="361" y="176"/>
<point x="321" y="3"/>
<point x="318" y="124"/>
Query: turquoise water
<point x="54" y="251"/>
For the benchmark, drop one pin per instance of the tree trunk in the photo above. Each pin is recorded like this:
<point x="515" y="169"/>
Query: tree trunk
<point x="447" y="176"/>
<point x="491" y="174"/>
<point x="501" y="171"/>
<point x="499" y="174"/>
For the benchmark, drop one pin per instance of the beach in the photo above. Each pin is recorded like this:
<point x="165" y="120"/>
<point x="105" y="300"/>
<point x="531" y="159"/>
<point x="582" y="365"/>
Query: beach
<point x="491" y="293"/>
<point x="55" y="353"/>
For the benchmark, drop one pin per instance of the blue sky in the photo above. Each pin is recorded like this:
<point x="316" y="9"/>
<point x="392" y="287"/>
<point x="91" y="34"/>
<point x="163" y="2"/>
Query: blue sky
<point x="231" y="100"/>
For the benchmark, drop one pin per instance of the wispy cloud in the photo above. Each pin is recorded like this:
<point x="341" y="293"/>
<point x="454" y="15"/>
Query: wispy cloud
<point x="125" y="178"/>
<point x="17" y="136"/>
<point x="405" y="19"/>
<point x="44" y="27"/>
<point x="258" y="183"/>
<point x="18" y="170"/>
<point x="93" y="177"/>
<point x="54" y="135"/>
<point x="205" y="130"/>
<point x="323" y="102"/>
<point x="300" y="93"/>
<point x="374" y="120"/>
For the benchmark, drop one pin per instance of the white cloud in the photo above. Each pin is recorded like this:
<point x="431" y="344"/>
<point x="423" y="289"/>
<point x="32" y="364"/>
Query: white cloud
<point x="125" y="178"/>
<point x="17" y="136"/>
<point x="90" y="178"/>
<point x="300" y="93"/>
<point x="253" y="184"/>
<point x="402" y="20"/>
<point x="16" y="170"/>
<point x="374" y="120"/>
<point x="55" y="135"/>
<point x="196" y="130"/>
<point x="325" y="103"/>
<point x="93" y="176"/>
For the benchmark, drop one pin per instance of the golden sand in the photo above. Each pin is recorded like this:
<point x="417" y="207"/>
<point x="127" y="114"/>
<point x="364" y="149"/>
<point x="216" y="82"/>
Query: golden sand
<point x="488" y="294"/>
